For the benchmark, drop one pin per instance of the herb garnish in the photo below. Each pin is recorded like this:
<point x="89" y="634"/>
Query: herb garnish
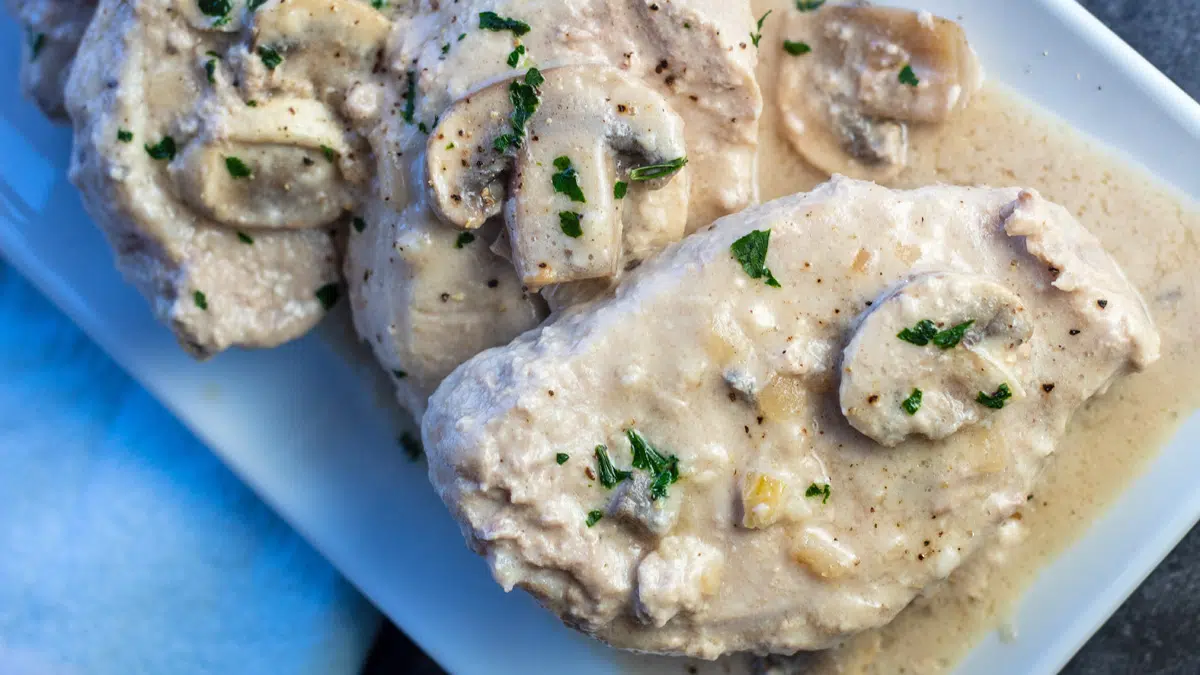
<point x="124" y="135"/>
<point x="464" y="238"/>
<point x="165" y="149"/>
<point x="330" y="153"/>
<point x="561" y="458"/>
<point x="594" y="517"/>
<point x="270" y="58"/>
<point x="494" y="22"/>
<point x="245" y="238"/>
<point x="565" y="181"/>
<point x="755" y="37"/>
<point x="252" y="103"/>
<point x="796" y="48"/>
<point x="399" y="374"/>
<point x="422" y="128"/>
<point x="412" y="446"/>
<point x="609" y="474"/>
<point x="818" y="490"/>
<point x="620" y="189"/>
<point x="657" y="170"/>
<point x="907" y="76"/>
<point x="925" y="332"/>
<point x="215" y="7"/>
<point x="949" y="338"/>
<point x="913" y="403"/>
<point x="237" y="168"/>
<point x="525" y="99"/>
<point x="569" y="222"/>
<point x="751" y="253"/>
<point x="359" y="224"/>
<point x="996" y="399"/>
<point x="200" y="299"/>
<point x="210" y="70"/>
<point x="328" y="295"/>
<point x="379" y="4"/>
<point x="648" y="458"/>
<point x="514" y="57"/>
<point x="255" y="4"/>
<point x="36" y="42"/>
<point x="410" y="98"/>
<point x="808" y="5"/>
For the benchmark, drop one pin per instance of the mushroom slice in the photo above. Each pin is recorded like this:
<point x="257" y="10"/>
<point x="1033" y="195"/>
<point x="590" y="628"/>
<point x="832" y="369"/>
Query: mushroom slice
<point x="940" y="352"/>
<point x="592" y="125"/>
<point x="871" y="71"/>
<point x="328" y="43"/>
<point x="270" y="166"/>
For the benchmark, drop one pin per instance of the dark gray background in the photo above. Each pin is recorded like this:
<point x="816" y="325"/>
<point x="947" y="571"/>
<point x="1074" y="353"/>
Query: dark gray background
<point x="1157" y="631"/>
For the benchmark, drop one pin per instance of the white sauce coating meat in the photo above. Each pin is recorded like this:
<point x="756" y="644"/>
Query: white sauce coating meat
<point x="52" y="29"/>
<point x="428" y="289"/>
<point x="791" y="530"/>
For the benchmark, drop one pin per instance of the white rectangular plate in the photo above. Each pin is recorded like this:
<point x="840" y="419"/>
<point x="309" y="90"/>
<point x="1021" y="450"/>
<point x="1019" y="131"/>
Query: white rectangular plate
<point x="298" y="424"/>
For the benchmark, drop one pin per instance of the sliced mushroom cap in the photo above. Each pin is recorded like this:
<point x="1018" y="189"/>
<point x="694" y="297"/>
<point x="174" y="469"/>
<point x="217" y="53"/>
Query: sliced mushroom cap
<point x="978" y="344"/>
<point x="593" y="123"/>
<point x="270" y="166"/>
<point x="870" y="72"/>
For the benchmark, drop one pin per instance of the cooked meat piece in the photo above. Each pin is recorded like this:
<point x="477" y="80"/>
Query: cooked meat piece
<point x="53" y="29"/>
<point x="788" y="528"/>
<point x="217" y="177"/>
<point x="868" y="73"/>
<point x="470" y="117"/>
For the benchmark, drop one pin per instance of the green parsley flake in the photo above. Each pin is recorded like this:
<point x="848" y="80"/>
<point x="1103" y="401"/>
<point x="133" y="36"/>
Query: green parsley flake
<point x="252" y="103"/>
<point x="210" y="70"/>
<point x="359" y="224"/>
<point x="913" y="403"/>
<point x="514" y="57"/>
<point x="450" y="145"/>
<point x="445" y="48"/>
<point x="818" y="490"/>
<point x="255" y="4"/>
<point x="330" y="153"/>
<point x="237" y="168"/>
<point x="609" y="474"/>
<point x="949" y="338"/>
<point x="200" y="299"/>
<point x="796" y="48"/>
<point x="245" y="238"/>
<point x="494" y="22"/>
<point x="399" y="374"/>
<point x="569" y="222"/>
<point x="561" y="458"/>
<point x="620" y="189"/>
<point x="647" y="458"/>
<point x="657" y="170"/>
<point x="755" y="37"/>
<point x="462" y="36"/>
<point x="379" y="4"/>
<point x="594" y="517"/>
<point x="124" y="135"/>
<point x="410" y="98"/>
<point x="751" y="253"/>
<point x="215" y="7"/>
<point x="533" y="77"/>
<point x="809" y="5"/>
<point x="907" y="76"/>
<point x="565" y="181"/>
<point x="464" y="238"/>
<point x="919" y="334"/>
<point x="36" y="42"/>
<point x="328" y="295"/>
<point x="525" y="99"/>
<point x="996" y="399"/>
<point x="412" y="446"/>
<point x="164" y="149"/>
<point x="270" y="58"/>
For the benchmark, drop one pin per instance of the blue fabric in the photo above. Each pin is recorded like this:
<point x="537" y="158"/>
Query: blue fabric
<point x="126" y="546"/>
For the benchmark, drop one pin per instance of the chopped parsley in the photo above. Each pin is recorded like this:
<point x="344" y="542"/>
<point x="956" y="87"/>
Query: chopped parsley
<point x="210" y="70"/>
<point x="379" y="4"/>
<point x="818" y="490"/>
<point x="252" y="103"/>
<point x="445" y="48"/>
<point x="270" y="58"/>
<point x="494" y="22"/>
<point x="514" y="57"/>
<point x="450" y="145"/>
<point x="809" y="5"/>
<point x="565" y="181"/>
<point x="996" y="399"/>
<point x="200" y="299"/>
<point x="755" y="37"/>
<point x="594" y="517"/>
<point x="609" y="474"/>
<point x="164" y="149"/>
<point x="399" y="374"/>
<point x="620" y="189"/>
<point x="410" y="97"/>
<point x="919" y="334"/>
<point x="330" y="153"/>
<point x="907" y="76"/>
<point x="255" y="4"/>
<point x="124" y="135"/>
<point x="328" y="295"/>
<point x="462" y="36"/>
<point x="422" y="128"/>
<point x="949" y="338"/>
<point x="525" y="99"/>
<point x="245" y="238"/>
<point x="237" y="168"/>
<point x="561" y="458"/>
<point x="359" y="224"/>
<point x="647" y="458"/>
<point x="215" y="7"/>
<point x="569" y="222"/>
<point x="412" y="446"/>
<point x="464" y="238"/>
<point x="653" y="171"/>
<point x="751" y="253"/>
<point x="796" y="48"/>
<point x="533" y="77"/>
<point x="913" y="403"/>
<point x="36" y="42"/>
